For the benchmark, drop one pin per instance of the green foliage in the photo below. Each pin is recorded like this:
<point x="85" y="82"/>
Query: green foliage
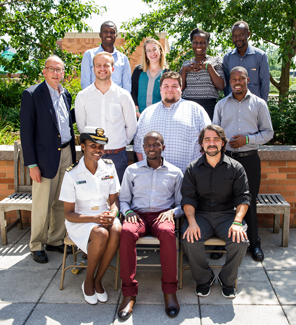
<point x="10" y="93"/>
<point x="7" y="136"/>
<point x="271" y="21"/>
<point x="283" y="116"/>
<point x="33" y="28"/>
<point x="72" y="84"/>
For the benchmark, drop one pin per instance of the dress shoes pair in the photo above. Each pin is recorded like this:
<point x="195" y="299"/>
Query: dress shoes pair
<point x="39" y="256"/>
<point x="126" y="307"/>
<point x="59" y="248"/>
<point x="93" y="300"/>
<point x="257" y="254"/>
<point x="172" y="307"/>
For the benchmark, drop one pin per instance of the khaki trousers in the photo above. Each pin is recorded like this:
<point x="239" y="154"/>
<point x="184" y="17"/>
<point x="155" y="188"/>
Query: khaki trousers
<point x="47" y="218"/>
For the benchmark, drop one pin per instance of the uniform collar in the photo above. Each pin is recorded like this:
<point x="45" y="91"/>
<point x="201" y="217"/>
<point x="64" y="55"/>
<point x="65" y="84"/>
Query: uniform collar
<point x="81" y="168"/>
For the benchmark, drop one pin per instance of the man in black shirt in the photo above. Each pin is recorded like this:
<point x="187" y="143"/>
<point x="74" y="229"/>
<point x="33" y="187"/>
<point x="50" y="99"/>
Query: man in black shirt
<point x="213" y="187"/>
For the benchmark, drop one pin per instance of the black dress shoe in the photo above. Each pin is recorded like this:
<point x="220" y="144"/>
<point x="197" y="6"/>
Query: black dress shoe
<point x="257" y="254"/>
<point x="172" y="307"/>
<point x="126" y="307"/>
<point x="39" y="256"/>
<point x="59" y="249"/>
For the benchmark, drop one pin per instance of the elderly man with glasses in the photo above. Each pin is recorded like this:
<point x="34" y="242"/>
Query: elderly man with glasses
<point x="49" y="148"/>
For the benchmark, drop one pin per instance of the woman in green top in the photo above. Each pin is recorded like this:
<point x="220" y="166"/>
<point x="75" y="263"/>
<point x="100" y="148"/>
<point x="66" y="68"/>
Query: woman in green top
<point x="146" y="77"/>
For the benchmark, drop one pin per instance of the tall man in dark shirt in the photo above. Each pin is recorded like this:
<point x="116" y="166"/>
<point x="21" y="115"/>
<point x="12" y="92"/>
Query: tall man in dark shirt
<point x="213" y="186"/>
<point x="246" y="120"/>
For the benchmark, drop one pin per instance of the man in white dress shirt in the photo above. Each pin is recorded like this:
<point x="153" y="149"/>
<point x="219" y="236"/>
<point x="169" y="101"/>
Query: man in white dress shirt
<point x="106" y="104"/>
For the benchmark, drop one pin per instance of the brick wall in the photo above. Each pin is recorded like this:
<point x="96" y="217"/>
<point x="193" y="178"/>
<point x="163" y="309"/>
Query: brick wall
<point x="276" y="177"/>
<point x="79" y="43"/>
<point x="279" y="177"/>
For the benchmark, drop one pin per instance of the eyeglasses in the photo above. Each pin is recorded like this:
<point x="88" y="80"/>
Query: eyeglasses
<point x="52" y="70"/>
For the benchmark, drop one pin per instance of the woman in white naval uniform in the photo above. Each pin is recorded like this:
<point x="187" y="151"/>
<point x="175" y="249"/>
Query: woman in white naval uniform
<point x="91" y="223"/>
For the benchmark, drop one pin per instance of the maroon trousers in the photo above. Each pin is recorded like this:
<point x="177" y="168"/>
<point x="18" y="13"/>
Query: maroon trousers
<point x="130" y="233"/>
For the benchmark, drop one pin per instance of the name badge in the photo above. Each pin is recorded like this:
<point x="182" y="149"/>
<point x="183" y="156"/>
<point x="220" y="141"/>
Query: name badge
<point x="80" y="182"/>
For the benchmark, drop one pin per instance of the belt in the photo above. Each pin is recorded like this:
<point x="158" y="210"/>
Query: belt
<point x="235" y="154"/>
<point x="64" y="145"/>
<point x="114" y="150"/>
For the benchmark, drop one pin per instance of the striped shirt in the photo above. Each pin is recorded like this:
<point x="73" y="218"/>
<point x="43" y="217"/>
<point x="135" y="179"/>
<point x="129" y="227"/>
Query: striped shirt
<point x="199" y="83"/>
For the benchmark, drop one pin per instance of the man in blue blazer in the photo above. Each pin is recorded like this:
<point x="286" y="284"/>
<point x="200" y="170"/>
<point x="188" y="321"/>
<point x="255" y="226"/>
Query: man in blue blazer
<point x="48" y="144"/>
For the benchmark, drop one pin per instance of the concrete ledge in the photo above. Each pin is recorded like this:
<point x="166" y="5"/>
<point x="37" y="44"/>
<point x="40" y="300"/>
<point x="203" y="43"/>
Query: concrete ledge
<point x="266" y="153"/>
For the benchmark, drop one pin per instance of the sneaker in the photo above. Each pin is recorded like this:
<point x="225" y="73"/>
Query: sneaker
<point x="228" y="292"/>
<point x="203" y="290"/>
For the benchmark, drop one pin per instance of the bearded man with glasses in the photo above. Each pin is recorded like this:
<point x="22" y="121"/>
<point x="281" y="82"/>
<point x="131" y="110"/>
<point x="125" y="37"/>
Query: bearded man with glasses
<point x="49" y="148"/>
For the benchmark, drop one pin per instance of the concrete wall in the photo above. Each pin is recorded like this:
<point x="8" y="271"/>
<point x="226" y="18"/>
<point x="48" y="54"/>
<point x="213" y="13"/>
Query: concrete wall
<point x="278" y="175"/>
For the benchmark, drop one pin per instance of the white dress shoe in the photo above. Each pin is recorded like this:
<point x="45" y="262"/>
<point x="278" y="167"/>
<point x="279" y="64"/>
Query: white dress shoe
<point x="92" y="300"/>
<point x="102" y="297"/>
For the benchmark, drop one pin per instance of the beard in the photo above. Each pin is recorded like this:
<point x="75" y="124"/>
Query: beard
<point x="213" y="153"/>
<point x="170" y="101"/>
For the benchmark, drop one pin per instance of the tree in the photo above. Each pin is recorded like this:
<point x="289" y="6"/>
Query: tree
<point x="271" y="21"/>
<point x="32" y="28"/>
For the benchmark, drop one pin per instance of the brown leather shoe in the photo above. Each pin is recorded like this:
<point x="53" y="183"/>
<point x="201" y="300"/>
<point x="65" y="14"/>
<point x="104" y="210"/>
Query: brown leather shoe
<point x="126" y="307"/>
<point x="172" y="307"/>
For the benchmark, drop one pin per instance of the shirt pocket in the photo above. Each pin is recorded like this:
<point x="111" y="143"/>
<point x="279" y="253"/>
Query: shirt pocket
<point x="253" y="76"/>
<point x="115" y="111"/>
<point x="84" y="195"/>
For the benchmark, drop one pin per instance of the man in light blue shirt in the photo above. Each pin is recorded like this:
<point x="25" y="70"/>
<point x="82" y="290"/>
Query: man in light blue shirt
<point x="150" y="198"/>
<point x="122" y="70"/>
<point x="254" y="60"/>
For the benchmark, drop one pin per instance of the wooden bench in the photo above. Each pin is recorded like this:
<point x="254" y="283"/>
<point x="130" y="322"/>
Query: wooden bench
<point x="21" y="199"/>
<point x="277" y="205"/>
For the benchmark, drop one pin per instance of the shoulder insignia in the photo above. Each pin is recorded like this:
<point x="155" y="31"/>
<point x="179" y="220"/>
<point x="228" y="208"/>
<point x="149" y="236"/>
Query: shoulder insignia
<point x="108" y="161"/>
<point x="71" y="167"/>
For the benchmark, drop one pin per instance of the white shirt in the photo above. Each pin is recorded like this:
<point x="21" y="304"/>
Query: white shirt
<point x="90" y="192"/>
<point x="113" y="111"/>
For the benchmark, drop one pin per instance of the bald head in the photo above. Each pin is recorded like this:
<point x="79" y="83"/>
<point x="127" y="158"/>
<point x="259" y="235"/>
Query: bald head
<point x="155" y="134"/>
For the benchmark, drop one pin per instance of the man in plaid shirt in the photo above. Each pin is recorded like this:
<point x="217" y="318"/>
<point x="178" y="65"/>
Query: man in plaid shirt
<point x="178" y="120"/>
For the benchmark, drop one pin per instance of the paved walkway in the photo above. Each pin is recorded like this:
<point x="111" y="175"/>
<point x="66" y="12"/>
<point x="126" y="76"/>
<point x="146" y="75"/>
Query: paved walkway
<point x="29" y="292"/>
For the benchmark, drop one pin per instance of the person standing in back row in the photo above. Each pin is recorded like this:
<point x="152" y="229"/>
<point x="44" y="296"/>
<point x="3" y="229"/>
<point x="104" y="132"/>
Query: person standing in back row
<point x="246" y="120"/>
<point x="254" y="60"/>
<point x="122" y="69"/>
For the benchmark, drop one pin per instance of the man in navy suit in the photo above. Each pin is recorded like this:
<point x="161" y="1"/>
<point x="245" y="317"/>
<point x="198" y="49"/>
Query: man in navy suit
<point x="48" y="144"/>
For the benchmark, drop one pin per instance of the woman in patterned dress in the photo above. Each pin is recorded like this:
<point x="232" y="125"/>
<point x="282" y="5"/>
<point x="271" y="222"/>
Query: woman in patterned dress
<point x="203" y="75"/>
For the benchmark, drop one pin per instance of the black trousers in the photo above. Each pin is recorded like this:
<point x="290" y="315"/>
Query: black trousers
<point x="253" y="170"/>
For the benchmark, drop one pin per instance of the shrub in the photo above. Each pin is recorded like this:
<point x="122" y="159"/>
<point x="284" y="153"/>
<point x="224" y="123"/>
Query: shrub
<point x="283" y="116"/>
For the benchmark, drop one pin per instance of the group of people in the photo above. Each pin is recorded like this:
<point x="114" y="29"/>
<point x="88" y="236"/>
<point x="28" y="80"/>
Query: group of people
<point x="174" y="136"/>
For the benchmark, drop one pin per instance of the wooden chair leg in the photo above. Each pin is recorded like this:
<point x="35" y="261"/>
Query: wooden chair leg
<point x="63" y="267"/>
<point x="181" y="270"/>
<point x="276" y="223"/>
<point x="19" y="217"/>
<point x="3" y="228"/>
<point x="116" y="271"/>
